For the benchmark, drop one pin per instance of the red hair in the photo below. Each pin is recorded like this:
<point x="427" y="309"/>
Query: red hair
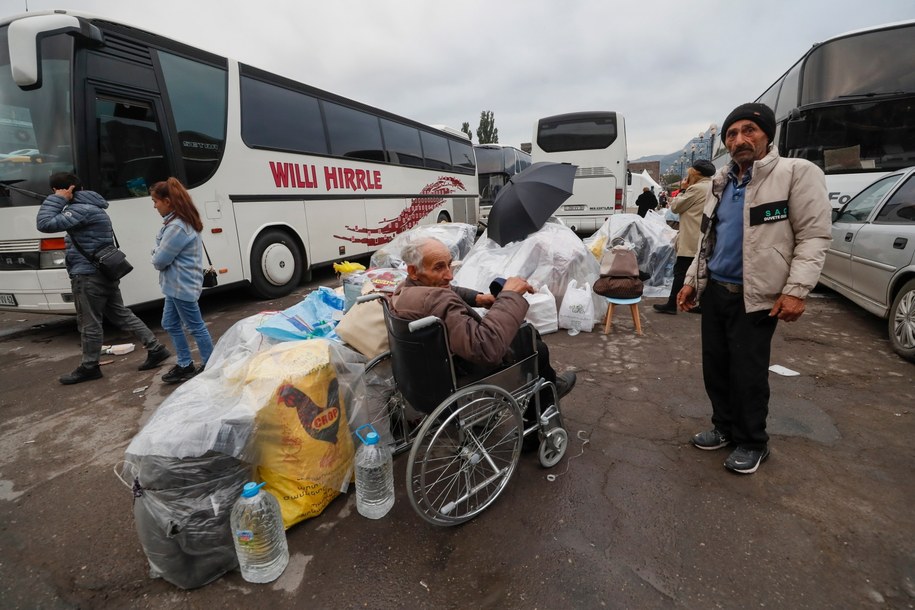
<point x="180" y="200"/>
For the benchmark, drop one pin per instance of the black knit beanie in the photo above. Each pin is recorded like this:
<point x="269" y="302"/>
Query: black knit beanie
<point x="704" y="167"/>
<point x="760" y="114"/>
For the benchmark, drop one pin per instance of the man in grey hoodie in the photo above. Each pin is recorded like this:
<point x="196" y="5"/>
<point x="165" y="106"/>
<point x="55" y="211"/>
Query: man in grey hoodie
<point x="82" y="215"/>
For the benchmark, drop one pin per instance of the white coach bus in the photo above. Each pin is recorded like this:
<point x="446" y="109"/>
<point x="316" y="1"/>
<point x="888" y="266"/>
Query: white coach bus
<point x="596" y="143"/>
<point x="286" y="176"/>
<point x="848" y="105"/>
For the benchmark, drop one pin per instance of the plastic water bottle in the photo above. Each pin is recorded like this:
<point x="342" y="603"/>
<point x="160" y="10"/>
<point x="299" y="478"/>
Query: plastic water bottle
<point x="259" y="536"/>
<point x="374" y="475"/>
<point x="574" y="330"/>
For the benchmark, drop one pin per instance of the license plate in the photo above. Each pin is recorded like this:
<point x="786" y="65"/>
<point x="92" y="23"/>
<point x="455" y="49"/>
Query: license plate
<point x="8" y="299"/>
<point x="573" y="208"/>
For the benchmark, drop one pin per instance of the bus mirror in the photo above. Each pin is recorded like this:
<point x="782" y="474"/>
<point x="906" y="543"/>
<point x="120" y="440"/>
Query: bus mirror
<point x="796" y="133"/>
<point x="25" y="43"/>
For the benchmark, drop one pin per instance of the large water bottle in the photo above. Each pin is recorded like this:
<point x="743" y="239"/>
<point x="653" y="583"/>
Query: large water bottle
<point x="259" y="536"/>
<point x="374" y="475"/>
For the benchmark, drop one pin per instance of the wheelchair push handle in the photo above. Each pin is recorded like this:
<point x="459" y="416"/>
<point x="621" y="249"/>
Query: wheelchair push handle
<point x="416" y="325"/>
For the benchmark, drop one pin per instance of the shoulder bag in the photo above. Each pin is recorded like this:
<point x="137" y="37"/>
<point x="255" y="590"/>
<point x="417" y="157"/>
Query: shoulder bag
<point x="210" y="277"/>
<point x="109" y="260"/>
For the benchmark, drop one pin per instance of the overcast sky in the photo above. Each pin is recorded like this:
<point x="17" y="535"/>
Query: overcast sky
<point x="670" y="67"/>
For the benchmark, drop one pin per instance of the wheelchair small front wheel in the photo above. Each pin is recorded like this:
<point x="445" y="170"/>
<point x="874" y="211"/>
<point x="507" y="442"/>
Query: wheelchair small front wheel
<point x="553" y="447"/>
<point x="464" y="454"/>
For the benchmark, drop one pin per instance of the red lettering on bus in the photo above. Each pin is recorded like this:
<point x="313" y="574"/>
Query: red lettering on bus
<point x="360" y="180"/>
<point x="309" y="182"/>
<point x="377" y="179"/>
<point x="349" y="178"/>
<point x="330" y="178"/>
<point x="280" y="173"/>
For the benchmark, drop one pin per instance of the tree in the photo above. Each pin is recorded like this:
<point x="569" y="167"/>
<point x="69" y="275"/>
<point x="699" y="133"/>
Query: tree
<point x="487" y="133"/>
<point x="466" y="129"/>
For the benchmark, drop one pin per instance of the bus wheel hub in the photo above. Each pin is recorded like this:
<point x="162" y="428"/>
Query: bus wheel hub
<point x="278" y="264"/>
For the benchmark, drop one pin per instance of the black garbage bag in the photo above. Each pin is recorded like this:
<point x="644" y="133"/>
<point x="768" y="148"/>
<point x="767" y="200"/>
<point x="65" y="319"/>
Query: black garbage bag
<point x="182" y="508"/>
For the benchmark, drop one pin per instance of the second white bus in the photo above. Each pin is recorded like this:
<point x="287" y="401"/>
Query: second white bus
<point x="596" y="143"/>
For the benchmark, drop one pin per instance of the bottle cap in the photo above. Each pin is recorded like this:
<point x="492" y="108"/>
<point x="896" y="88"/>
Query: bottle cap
<point x="371" y="438"/>
<point x="252" y="489"/>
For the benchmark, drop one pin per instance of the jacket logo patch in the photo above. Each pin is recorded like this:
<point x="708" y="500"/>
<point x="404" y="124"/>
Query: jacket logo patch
<point x="769" y="212"/>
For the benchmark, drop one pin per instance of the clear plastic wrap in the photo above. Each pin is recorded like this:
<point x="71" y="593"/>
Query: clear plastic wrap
<point x="458" y="236"/>
<point x="651" y="239"/>
<point x="551" y="257"/>
<point x="258" y="405"/>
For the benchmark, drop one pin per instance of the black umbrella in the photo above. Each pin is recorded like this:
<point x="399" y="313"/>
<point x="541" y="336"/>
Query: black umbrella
<point x="528" y="200"/>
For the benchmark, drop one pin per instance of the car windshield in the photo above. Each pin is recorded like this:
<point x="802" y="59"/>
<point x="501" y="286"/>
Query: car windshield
<point x="861" y="205"/>
<point x="35" y="126"/>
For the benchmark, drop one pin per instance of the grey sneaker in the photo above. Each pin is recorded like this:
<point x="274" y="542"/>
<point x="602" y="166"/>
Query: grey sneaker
<point x="746" y="461"/>
<point x="709" y="440"/>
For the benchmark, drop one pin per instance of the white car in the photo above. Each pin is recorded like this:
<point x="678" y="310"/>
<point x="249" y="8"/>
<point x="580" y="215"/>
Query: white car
<point x="872" y="257"/>
<point x="22" y="152"/>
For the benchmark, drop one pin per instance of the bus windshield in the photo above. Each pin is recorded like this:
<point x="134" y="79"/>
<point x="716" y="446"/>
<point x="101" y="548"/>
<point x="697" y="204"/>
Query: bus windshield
<point x="35" y="126"/>
<point x="871" y="63"/>
<point x="864" y="136"/>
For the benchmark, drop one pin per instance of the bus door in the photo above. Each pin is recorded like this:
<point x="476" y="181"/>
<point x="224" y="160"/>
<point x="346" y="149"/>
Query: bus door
<point x="127" y="151"/>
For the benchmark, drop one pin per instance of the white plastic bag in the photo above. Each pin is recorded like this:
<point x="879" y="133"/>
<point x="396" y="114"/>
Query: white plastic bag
<point x="577" y="310"/>
<point x="542" y="312"/>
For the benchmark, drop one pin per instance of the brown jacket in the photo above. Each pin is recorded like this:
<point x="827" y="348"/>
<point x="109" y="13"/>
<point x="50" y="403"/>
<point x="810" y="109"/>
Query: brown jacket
<point x="483" y="341"/>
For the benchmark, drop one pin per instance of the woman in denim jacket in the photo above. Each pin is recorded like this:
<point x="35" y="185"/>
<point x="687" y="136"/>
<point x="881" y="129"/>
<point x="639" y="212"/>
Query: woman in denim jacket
<point x="179" y="258"/>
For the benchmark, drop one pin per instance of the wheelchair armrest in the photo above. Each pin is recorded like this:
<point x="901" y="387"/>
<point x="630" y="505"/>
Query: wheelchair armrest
<point x="365" y="298"/>
<point x="416" y="325"/>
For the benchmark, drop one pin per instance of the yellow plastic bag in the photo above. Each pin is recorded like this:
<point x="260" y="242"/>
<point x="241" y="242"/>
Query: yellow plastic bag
<point x="303" y="439"/>
<point x="348" y="267"/>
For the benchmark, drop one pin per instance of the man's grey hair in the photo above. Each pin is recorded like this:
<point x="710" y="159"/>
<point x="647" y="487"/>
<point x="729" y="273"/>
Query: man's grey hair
<point x="412" y="253"/>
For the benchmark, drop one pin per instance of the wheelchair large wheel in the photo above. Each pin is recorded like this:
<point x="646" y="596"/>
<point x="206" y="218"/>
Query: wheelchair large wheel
<point x="387" y="409"/>
<point x="464" y="455"/>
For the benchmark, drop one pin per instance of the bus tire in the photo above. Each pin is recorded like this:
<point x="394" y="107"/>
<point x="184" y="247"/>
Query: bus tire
<point x="277" y="264"/>
<point x="443" y="217"/>
<point x="902" y="321"/>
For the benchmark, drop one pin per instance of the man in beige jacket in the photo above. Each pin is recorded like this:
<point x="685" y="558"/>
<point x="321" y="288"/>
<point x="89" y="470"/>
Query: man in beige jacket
<point x="765" y="230"/>
<point x="688" y="204"/>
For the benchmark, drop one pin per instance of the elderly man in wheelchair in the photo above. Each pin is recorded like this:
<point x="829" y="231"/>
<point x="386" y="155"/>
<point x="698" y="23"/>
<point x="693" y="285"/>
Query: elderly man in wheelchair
<point x="485" y="385"/>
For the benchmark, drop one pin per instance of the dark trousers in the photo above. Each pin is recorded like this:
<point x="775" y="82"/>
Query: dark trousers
<point x="97" y="299"/>
<point x="736" y="346"/>
<point x="680" y="269"/>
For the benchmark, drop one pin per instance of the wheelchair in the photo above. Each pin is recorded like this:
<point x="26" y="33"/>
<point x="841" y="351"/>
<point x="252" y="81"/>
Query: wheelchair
<point x="464" y="434"/>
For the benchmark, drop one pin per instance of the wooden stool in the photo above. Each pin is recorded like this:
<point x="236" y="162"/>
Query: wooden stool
<point x="633" y="307"/>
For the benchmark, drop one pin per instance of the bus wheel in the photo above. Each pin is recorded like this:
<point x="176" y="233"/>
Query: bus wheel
<point x="276" y="265"/>
<point x="443" y="217"/>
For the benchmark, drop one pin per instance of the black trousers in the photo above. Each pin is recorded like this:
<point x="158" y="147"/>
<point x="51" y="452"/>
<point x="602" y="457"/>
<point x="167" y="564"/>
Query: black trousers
<point x="736" y="347"/>
<point x="680" y="269"/>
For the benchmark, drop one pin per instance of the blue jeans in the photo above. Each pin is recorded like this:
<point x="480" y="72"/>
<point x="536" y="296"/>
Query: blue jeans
<point x="96" y="299"/>
<point x="178" y="315"/>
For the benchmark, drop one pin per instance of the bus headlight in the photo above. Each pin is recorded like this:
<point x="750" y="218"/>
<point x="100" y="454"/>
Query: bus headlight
<point x="53" y="253"/>
<point x="53" y="259"/>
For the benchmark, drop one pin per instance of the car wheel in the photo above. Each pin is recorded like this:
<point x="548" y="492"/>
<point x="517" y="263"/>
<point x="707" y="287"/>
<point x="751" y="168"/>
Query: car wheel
<point x="277" y="264"/>
<point x="902" y="322"/>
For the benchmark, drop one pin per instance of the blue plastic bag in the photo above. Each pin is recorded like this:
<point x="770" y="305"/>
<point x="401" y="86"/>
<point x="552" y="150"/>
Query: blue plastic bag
<point x="313" y="318"/>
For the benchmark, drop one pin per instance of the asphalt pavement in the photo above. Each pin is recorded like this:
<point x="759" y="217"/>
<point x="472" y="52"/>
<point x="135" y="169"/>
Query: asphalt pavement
<point x="632" y="517"/>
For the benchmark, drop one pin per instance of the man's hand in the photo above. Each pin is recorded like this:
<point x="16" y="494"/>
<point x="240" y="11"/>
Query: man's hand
<point x="485" y="300"/>
<point x="788" y="308"/>
<point x="66" y="193"/>
<point x="686" y="298"/>
<point x="519" y="285"/>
